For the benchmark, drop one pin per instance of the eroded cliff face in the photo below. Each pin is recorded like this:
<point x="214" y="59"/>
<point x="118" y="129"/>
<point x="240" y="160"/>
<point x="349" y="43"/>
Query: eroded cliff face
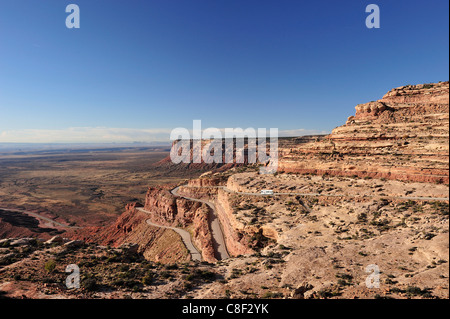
<point x="241" y="238"/>
<point x="195" y="157"/>
<point x="234" y="231"/>
<point x="403" y="136"/>
<point x="157" y="244"/>
<point x="166" y="209"/>
<point x="204" y="181"/>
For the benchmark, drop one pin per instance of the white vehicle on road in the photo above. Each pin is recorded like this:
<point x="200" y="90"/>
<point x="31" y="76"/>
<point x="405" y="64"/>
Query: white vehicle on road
<point x="266" y="192"/>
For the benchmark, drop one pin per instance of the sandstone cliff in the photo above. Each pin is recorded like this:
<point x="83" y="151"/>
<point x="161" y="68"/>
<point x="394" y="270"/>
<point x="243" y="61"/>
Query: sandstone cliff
<point x="155" y="243"/>
<point x="178" y="212"/>
<point x="237" y="235"/>
<point x="403" y="136"/>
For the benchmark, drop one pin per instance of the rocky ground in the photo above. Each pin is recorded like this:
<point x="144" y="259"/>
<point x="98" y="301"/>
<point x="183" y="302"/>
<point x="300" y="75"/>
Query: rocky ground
<point x="361" y="213"/>
<point x="322" y="245"/>
<point x="315" y="248"/>
<point x="37" y="269"/>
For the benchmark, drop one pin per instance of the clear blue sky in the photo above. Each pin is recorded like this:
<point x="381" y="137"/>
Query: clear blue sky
<point x="159" y="64"/>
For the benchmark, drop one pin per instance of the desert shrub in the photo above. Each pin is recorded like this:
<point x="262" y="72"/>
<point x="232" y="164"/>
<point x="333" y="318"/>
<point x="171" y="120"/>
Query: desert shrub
<point x="50" y="265"/>
<point x="137" y="288"/>
<point x="202" y="275"/>
<point x="441" y="208"/>
<point x="90" y="284"/>
<point x="148" y="279"/>
<point x="7" y="260"/>
<point x="271" y="295"/>
<point x="5" y="244"/>
<point x="190" y="277"/>
<point x="378" y="296"/>
<point x="380" y="223"/>
<point x="389" y="281"/>
<point x="362" y="218"/>
<point x="416" y="291"/>
<point x="327" y="293"/>
<point x="207" y="275"/>
<point x="428" y="236"/>
<point x="172" y="267"/>
<point x="124" y="268"/>
<point x="344" y="276"/>
<point x="342" y="282"/>
<point x="127" y="283"/>
<point x="166" y="274"/>
<point x="235" y="273"/>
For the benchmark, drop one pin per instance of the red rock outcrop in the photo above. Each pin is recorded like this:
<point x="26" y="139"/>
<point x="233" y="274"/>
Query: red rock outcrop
<point x="155" y="244"/>
<point x="174" y="211"/>
<point x="206" y="182"/>
<point x="164" y="209"/>
<point x="115" y="234"/>
<point x="207" y="146"/>
<point x="403" y="136"/>
<point x="237" y="235"/>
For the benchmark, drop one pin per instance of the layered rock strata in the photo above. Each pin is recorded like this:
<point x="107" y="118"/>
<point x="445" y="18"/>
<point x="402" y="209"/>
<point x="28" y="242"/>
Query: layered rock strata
<point x="403" y="136"/>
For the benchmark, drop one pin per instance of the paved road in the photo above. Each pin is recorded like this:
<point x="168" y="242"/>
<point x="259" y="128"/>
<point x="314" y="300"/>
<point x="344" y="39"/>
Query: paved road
<point x="329" y="195"/>
<point x="340" y="195"/>
<point x="220" y="247"/>
<point x="39" y="217"/>
<point x="185" y="236"/>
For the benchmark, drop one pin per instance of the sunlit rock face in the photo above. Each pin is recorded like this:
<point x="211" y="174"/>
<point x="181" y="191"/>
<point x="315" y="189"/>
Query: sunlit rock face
<point x="402" y="136"/>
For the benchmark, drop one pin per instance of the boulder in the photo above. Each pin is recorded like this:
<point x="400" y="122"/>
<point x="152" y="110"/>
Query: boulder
<point x="299" y="293"/>
<point x="74" y="244"/>
<point x="55" y="240"/>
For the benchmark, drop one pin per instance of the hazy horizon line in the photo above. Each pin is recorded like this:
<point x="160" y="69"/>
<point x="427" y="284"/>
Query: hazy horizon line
<point x="105" y="135"/>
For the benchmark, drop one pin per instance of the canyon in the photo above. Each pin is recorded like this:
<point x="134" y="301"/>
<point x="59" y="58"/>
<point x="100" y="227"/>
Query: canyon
<point x="373" y="192"/>
<point x="403" y="137"/>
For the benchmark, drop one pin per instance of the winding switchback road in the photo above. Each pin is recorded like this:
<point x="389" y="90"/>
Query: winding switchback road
<point x="220" y="247"/>
<point x="185" y="236"/>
